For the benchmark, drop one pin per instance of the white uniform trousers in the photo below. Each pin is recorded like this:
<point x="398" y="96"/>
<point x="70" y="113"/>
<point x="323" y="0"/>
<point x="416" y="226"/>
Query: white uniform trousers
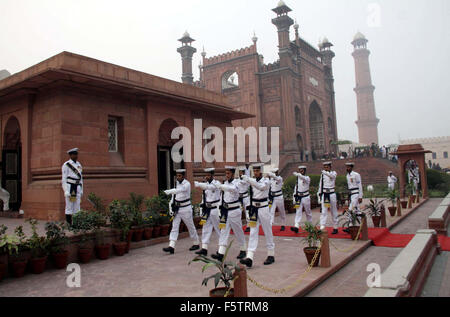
<point x="334" y="212"/>
<point x="212" y="224"/>
<point x="264" y="221"/>
<point x="354" y="202"/>
<point x="278" y="202"/>
<point x="185" y="214"/>
<point x="73" y="207"/>
<point x="391" y="186"/>
<point x="306" y="205"/>
<point x="234" y="221"/>
<point x="245" y="204"/>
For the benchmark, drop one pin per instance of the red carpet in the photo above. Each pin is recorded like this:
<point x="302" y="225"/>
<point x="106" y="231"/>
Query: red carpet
<point x="381" y="237"/>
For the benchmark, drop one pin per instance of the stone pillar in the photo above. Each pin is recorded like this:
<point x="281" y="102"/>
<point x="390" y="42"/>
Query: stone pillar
<point x="399" y="208"/>
<point x="383" y="217"/>
<point x="325" y="250"/>
<point x="364" y="230"/>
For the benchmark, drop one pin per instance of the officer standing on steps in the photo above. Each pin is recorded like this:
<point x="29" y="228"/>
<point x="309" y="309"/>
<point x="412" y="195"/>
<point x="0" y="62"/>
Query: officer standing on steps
<point x="72" y="184"/>
<point x="259" y="214"/>
<point x="210" y="209"/>
<point x="276" y="197"/>
<point x="181" y="209"/>
<point x="327" y="196"/>
<point x="355" y="189"/>
<point x="302" y="199"/>
<point x="392" y="180"/>
<point x="230" y="214"/>
<point x="244" y="195"/>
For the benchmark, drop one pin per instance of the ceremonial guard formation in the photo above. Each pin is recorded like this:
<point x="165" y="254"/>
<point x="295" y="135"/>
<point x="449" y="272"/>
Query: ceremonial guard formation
<point x="72" y="184"/>
<point x="259" y="215"/>
<point x="210" y="209"/>
<point x="391" y="180"/>
<point x="181" y="209"/>
<point x="276" y="197"/>
<point x="327" y="196"/>
<point x="302" y="198"/>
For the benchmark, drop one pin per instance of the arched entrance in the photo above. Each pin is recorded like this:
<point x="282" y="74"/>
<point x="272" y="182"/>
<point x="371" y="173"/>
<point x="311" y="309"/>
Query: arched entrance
<point x="316" y="129"/>
<point x="166" y="166"/>
<point x="12" y="163"/>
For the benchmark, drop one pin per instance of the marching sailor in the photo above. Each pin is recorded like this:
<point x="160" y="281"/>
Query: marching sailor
<point x="244" y="195"/>
<point x="392" y="180"/>
<point x="413" y="176"/>
<point x="327" y="196"/>
<point x="302" y="198"/>
<point x="72" y="184"/>
<point x="181" y="209"/>
<point x="276" y="197"/>
<point x="355" y="189"/>
<point x="247" y="169"/>
<point x="230" y="214"/>
<point x="210" y="209"/>
<point x="259" y="215"/>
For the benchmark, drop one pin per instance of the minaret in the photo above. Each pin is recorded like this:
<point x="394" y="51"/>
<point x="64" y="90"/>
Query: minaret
<point x="367" y="119"/>
<point x="283" y="22"/>
<point x="327" y="54"/>
<point x="187" y="51"/>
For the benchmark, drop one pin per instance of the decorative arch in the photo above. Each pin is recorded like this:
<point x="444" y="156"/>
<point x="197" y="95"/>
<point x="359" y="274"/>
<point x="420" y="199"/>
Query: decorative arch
<point x="298" y="117"/>
<point x="165" y="132"/>
<point x="300" y="142"/>
<point x="230" y="80"/>
<point x="166" y="166"/>
<point x="317" y="129"/>
<point x="11" y="134"/>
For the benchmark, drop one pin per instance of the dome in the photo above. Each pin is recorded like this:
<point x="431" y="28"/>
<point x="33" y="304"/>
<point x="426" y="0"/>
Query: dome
<point x="4" y="73"/>
<point x="359" y="36"/>
<point x="281" y="3"/>
<point x="186" y="34"/>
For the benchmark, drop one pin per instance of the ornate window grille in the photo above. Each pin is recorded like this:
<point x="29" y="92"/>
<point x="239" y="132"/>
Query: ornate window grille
<point x="112" y="135"/>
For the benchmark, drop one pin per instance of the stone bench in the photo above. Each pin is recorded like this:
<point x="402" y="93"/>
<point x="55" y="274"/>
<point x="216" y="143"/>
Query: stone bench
<point x="439" y="219"/>
<point x="407" y="274"/>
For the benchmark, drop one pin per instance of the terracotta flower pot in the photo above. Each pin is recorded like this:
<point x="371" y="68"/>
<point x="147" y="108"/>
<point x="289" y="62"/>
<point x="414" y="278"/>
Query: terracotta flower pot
<point x="164" y="230"/>
<point x="156" y="231"/>
<point x="60" y="259"/>
<point x="392" y="211"/>
<point x="353" y="232"/>
<point x="19" y="267"/>
<point x="129" y="237"/>
<point x="38" y="265"/>
<point x="138" y="234"/>
<point x="413" y="198"/>
<point x="220" y="292"/>
<point x="148" y="232"/>
<point x="376" y="221"/>
<point x="404" y="204"/>
<point x="310" y="252"/>
<point x="102" y="251"/>
<point x="2" y="271"/>
<point x="85" y="254"/>
<point x="120" y="248"/>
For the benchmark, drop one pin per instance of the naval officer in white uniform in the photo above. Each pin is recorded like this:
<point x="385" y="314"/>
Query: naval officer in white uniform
<point x="259" y="215"/>
<point x="244" y="195"/>
<point x="210" y="209"/>
<point x="276" y="195"/>
<point x="302" y="198"/>
<point x="392" y="180"/>
<point x="327" y="197"/>
<point x="181" y="209"/>
<point x="72" y="184"/>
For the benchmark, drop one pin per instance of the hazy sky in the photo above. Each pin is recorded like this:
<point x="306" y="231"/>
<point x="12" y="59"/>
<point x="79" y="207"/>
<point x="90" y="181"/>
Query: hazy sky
<point x="410" y="46"/>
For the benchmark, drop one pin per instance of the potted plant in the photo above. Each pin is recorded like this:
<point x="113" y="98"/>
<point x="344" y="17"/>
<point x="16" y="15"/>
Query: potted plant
<point x="39" y="249"/>
<point x="120" y="220"/>
<point x="288" y="192"/>
<point x="152" y="210"/>
<point x="9" y="244"/>
<point x="82" y="224"/>
<point x="392" y="196"/>
<point x="225" y="275"/>
<point x="410" y="191"/>
<point x="3" y="240"/>
<point x="197" y="216"/>
<point x="312" y="241"/>
<point x="58" y="241"/>
<point x="374" y="209"/>
<point x="351" y="219"/>
<point x="18" y="260"/>
<point x="135" y="203"/>
<point x="149" y="223"/>
<point x="102" y="249"/>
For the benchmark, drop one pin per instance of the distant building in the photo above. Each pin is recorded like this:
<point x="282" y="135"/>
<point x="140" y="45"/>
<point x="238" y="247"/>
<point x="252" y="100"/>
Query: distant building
<point x="4" y="73"/>
<point x="439" y="146"/>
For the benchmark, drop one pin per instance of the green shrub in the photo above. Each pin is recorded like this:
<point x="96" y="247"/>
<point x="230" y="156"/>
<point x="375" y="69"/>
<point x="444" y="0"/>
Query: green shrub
<point x="437" y="180"/>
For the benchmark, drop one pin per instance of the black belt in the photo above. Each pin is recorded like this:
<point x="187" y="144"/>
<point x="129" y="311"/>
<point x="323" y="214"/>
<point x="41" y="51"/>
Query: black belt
<point x="210" y="204"/>
<point x="303" y="195"/>
<point x="243" y="195"/>
<point x="227" y="205"/>
<point x="274" y="193"/>
<point x="328" y="190"/>
<point x="178" y="203"/>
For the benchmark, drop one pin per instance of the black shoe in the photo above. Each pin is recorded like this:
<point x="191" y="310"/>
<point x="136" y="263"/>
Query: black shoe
<point x="217" y="256"/>
<point x="247" y="229"/>
<point x="194" y="247"/>
<point x="346" y="230"/>
<point x="294" y="229"/>
<point x="269" y="260"/>
<point x="247" y="262"/>
<point x="169" y="250"/>
<point x="283" y="228"/>
<point x="242" y="255"/>
<point x="202" y="252"/>
<point x="335" y="231"/>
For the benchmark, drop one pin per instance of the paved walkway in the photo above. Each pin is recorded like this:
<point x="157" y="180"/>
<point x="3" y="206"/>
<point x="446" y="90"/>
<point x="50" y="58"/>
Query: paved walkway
<point x="352" y="278"/>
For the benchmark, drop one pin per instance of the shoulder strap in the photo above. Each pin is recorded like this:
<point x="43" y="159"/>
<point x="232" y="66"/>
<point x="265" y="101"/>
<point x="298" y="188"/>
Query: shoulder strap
<point x="74" y="169"/>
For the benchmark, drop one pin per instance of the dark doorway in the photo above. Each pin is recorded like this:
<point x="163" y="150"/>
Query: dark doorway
<point x="12" y="163"/>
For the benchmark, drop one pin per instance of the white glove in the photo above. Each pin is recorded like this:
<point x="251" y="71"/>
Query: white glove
<point x="296" y="174"/>
<point x="67" y="194"/>
<point x="271" y="174"/>
<point x="170" y="191"/>
<point x="196" y="184"/>
<point x="218" y="185"/>
<point x="245" y="178"/>
<point x="171" y="213"/>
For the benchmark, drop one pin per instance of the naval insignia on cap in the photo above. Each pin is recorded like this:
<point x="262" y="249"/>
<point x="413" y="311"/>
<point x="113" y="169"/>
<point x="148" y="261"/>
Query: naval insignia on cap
<point x="74" y="150"/>
<point x="180" y="171"/>
<point x="209" y="170"/>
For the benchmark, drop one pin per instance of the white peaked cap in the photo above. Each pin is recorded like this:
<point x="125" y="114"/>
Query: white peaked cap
<point x="302" y="167"/>
<point x="180" y="171"/>
<point x="275" y="170"/>
<point x="72" y="150"/>
<point x="230" y="167"/>
<point x="242" y="168"/>
<point x="350" y="164"/>
<point x="327" y="163"/>
<point x="209" y="170"/>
